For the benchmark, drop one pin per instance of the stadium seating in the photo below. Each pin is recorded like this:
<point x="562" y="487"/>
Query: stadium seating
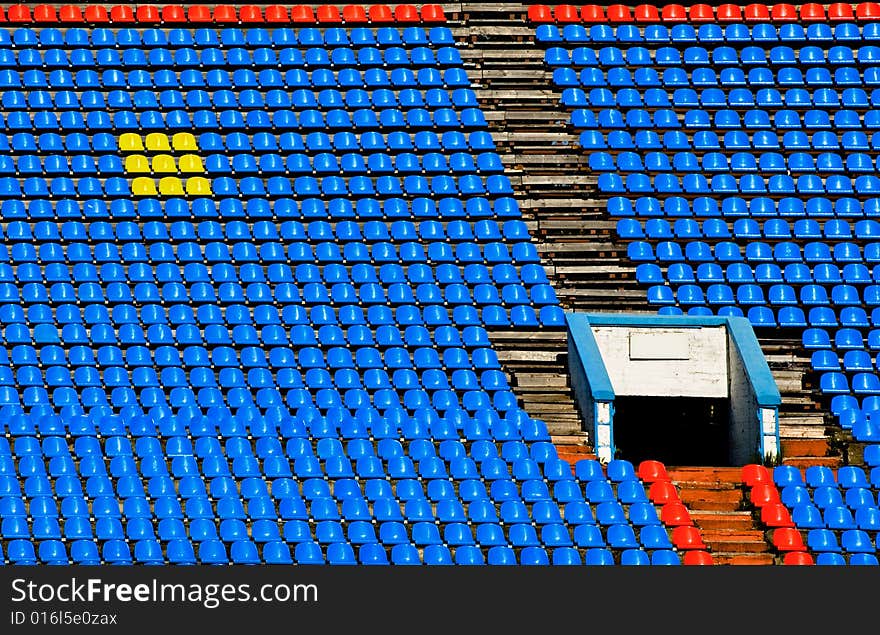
<point x="251" y="259"/>
<point x="736" y="150"/>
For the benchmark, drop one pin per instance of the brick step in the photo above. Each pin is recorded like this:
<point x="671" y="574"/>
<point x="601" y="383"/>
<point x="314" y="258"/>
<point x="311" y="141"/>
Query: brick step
<point x="734" y="558"/>
<point x="733" y="540"/>
<point x="705" y="475"/>
<point x="805" y="447"/>
<point x="707" y="520"/>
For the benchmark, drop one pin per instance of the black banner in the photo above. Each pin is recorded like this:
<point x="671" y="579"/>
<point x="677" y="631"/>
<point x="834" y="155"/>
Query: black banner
<point x="55" y="599"/>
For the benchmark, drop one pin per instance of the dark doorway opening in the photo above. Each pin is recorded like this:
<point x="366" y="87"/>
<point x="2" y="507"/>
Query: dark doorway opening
<point x="675" y="430"/>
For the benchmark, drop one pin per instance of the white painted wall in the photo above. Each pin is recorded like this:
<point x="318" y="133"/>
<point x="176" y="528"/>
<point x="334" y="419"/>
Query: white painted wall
<point x="665" y="362"/>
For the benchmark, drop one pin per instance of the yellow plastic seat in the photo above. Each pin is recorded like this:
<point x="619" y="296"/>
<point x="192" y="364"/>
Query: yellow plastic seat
<point x="198" y="186"/>
<point x="170" y="186"/>
<point x="143" y="186"/>
<point x="164" y="164"/>
<point x="130" y="142"/>
<point x="191" y="164"/>
<point x="157" y="141"/>
<point x="184" y="141"/>
<point x="137" y="164"/>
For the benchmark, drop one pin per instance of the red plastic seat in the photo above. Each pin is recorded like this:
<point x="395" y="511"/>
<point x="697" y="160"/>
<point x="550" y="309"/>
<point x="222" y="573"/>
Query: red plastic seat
<point x="646" y="13"/>
<point x="799" y="558"/>
<point x="148" y="14"/>
<point x="698" y="558"/>
<point x="764" y="494"/>
<point x="868" y="11"/>
<point x="784" y="13"/>
<point x="651" y="471"/>
<point x="729" y="13"/>
<point x="225" y="14"/>
<point x="173" y="14"/>
<point x="250" y="14"/>
<point x="433" y="13"/>
<point x="328" y="14"/>
<point x="752" y="474"/>
<point x="406" y="13"/>
<point x="675" y="515"/>
<point x="70" y="13"/>
<point x="686" y="537"/>
<point x="674" y="13"/>
<point x="662" y="492"/>
<point x="788" y="539"/>
<point x="121" y="14"/>
<point x="702" y="13"/>
<point x="812" y="12"/>
<point x="756" y="13"/>
<point x="96" y="14"/>
<point x="841" y="12"/>
<point x="540" y="13"/>
<point x="567" y="13"/>
<point x="45" y="13"/>
<point x="302" y="13"/>
<point x="354" y="14"/>
<point x="593" y="14"/>
<point x="618" y="14"/>
<point x="199" y="14"/>
<point x="277" y="14"/>
<point x="19" y="13"/>
<point x="381" y="13"/>
<point x="776" y="515"/>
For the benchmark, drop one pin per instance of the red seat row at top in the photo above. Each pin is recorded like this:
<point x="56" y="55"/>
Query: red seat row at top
<point x="221" y="14"/>
<point x="672" y="13"/>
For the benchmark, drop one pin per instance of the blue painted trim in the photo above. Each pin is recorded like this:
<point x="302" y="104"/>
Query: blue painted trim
<point x="757" y="370"/>
<point x="581" y="334"/>
<point x="631" y="319"/>
<point x="740" y="330"/>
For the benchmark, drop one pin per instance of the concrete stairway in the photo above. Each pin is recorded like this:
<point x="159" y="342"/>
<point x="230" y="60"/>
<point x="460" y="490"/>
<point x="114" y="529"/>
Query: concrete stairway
<point x="715" y="499"/>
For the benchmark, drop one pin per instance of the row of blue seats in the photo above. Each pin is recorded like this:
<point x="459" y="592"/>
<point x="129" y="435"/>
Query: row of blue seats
<point x="247" y="99"/>
<point x="318" y="141"/>
<point x="824" y="140"/>
<point x="853" y="361"/>
<point x="172" y="208"/>
<point x="757" y="77"/>
<point x="190" y="423"/>
<point x="695" y="56"/>
<point x="322" y="163"/>
<point x="830" y="499"/>
<point x="736" y="98"/>
<point x="785" y="317"/>
<point x="73" y="331"/>
<point x="156" y="58"/>
<point x="469" y="252"/>
<point x="742" y="209"/>
<point x="667" y="118"/>
<point x="747" y="228"/>
<point x="691" y="183"/>
<point x="260" y="231"/>
<point x="740" y="273"/>
<point x="307" y="37"/>
<point x="844" y="339"/>
<point x="244" y="552"/>
<point x="729" y="251"/>
<point x="426" y="77"/>
<point x="753" y="294"/>
<point x="267" y="164"/>
<point x="233" y="119"/>
<point x="709" y="33"/>
<point x="683" y="162"/>
<point x="302" y="186"/>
